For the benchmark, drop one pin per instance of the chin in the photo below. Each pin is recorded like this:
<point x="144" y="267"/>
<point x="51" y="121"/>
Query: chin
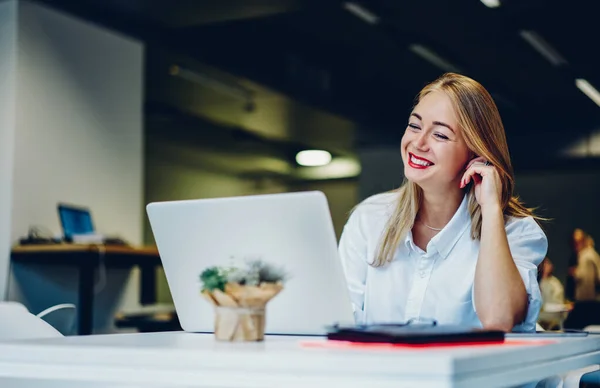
<point x="415" y="176"/>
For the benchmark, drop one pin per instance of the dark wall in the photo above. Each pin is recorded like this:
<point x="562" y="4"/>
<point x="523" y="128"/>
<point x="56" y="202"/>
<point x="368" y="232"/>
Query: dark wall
<point x="381" y="170"/>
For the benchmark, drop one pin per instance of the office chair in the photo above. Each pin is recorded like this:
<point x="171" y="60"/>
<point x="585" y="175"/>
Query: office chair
<point x="16" y="322"/>
<point x="61" y="317"/>
<point x="594" y="329"/>
<point x="588" y="375"/>
<point x="539" y="327"/>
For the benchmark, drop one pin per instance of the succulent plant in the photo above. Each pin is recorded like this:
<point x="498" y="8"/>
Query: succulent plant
<point x="253" y="273"/>
<point x="213" y="278"/>
<point x="268" y="273"/>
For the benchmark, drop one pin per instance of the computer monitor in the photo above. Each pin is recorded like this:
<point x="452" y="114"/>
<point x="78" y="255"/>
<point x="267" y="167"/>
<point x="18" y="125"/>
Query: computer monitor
<point x="75" y="220"/>
<point x="291" y="230"/>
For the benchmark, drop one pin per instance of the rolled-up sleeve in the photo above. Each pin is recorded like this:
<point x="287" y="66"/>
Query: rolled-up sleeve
<point x="353" y="255"/>
<point x="528" y="250"/>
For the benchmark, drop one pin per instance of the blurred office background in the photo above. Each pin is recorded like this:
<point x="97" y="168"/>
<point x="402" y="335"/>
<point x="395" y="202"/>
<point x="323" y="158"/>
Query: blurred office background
<point x="112" y="104"/>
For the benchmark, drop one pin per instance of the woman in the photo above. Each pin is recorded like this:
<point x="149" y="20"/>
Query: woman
<point x="587" y="285"/>
<point x="576" y="241"/>
<point x="452" y="244"/>
<point x="550" y="287"/>
<point x="587" y="271"/>
<point x="554" y="307"/>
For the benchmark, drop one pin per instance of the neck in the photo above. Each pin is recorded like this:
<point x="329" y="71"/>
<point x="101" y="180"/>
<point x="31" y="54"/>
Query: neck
<point x="438" y="208"/>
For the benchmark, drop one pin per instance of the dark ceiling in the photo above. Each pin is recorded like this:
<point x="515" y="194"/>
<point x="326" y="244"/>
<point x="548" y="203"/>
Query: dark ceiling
<point x="317" y="53"/>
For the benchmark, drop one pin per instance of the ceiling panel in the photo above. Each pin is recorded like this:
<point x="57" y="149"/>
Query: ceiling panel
<point x="318" y="57"/>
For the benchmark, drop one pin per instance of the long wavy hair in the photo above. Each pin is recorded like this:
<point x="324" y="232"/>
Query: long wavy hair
<point x="483" y="131"/>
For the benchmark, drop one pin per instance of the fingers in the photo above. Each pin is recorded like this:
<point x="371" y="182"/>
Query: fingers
<point x="474" y="172"/>
<point x="479" y="159"/>
<point x="466" y="178"/>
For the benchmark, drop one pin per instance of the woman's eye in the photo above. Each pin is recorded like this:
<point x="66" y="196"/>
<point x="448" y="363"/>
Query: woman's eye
<point x="413" y="126"/>
<point x="441" y="136"/>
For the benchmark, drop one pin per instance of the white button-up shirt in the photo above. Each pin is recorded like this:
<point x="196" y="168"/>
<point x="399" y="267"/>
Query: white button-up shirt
<point x="436" y="284"/>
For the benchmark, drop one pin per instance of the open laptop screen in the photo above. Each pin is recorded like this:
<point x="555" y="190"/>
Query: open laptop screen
<point x="75" y="220"/>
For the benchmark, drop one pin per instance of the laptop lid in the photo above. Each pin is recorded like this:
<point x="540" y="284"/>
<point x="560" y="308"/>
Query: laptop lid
<point x="75" y="220"/>
<point x="291" y="230"/>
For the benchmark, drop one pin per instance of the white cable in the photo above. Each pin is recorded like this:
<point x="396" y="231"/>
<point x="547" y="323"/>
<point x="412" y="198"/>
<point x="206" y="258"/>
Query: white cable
<point x="54" y="308"/>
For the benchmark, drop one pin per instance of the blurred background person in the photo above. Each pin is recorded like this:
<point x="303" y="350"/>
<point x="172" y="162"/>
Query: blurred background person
<point x="552" y="289"/>
<point x="554" y="308"/>
<point x="586" y="275"/>
<point x="576" y="242"/>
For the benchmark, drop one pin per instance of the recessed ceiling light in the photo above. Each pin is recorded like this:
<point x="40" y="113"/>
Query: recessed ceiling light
<point x="588" y="90"/>
<point x="361" y="12"/>
<point x="313" y="158"/>
<point x="433" y="58"/>
<point x="340" y="167"/>
<point x="491" y="3"/>
<point x="543" y="47"/>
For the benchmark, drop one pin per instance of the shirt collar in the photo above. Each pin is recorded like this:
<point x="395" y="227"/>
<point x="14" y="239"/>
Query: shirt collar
<point x="447" y="238"/>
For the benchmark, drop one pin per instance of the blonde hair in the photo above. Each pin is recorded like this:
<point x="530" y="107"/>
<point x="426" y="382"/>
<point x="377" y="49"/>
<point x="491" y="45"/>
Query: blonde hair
<point x="483" y="132"/>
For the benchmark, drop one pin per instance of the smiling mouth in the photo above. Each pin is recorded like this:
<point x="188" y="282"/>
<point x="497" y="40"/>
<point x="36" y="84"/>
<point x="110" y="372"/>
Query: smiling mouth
<point x="416" y="162"/>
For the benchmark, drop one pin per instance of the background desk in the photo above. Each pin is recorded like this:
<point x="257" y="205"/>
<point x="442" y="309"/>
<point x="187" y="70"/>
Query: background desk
<point x="87" y="258"/>
<point x="179" y="359"/>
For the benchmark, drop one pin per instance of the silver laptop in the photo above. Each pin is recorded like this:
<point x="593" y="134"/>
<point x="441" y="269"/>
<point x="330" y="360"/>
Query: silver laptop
<point x="291" y="230"/>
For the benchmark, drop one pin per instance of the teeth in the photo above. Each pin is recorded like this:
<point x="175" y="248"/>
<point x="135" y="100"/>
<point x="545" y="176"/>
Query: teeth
<point x="419" y="162"/>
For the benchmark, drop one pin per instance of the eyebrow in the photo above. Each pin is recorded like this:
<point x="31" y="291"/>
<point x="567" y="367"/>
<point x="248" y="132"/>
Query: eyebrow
<point x="434" y="123"/>
<point x="443" y="125"/>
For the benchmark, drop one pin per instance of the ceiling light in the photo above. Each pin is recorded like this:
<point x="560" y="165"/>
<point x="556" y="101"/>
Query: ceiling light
<point x="433" y="58"/>
<point x="588" y="90"/>
<point x="543" y="47"/>
<point x="361" y="13"/>
<point x="312" y="158"/>
<point x="340" y="168"/>
<point x="491" y="3"/>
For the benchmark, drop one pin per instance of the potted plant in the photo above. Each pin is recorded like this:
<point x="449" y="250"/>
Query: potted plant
<point x="240" y="296"/>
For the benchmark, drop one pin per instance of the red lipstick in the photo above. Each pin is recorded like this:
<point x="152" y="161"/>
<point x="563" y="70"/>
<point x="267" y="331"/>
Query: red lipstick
<point x="417" y="162"/>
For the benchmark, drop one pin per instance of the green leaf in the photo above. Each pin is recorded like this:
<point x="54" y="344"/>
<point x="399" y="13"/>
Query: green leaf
<point x="213" y="278"/>
<point x="253" y="273"/>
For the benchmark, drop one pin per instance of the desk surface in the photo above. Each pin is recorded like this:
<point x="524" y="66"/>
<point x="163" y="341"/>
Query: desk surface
<point x="65" y="248"/>
<point x="187" y="359"/>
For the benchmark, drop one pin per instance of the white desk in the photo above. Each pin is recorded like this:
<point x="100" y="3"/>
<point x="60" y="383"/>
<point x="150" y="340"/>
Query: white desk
<point x="197" y="360"/>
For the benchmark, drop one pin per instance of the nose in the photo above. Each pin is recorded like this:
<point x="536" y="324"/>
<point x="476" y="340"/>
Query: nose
<point x="421" y="142"/>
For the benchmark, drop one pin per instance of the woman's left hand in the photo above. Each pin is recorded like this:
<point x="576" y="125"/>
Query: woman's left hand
<point x="488" y="186"/>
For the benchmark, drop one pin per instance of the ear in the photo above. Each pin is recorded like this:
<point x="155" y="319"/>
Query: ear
<point x="472" y="155"/>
